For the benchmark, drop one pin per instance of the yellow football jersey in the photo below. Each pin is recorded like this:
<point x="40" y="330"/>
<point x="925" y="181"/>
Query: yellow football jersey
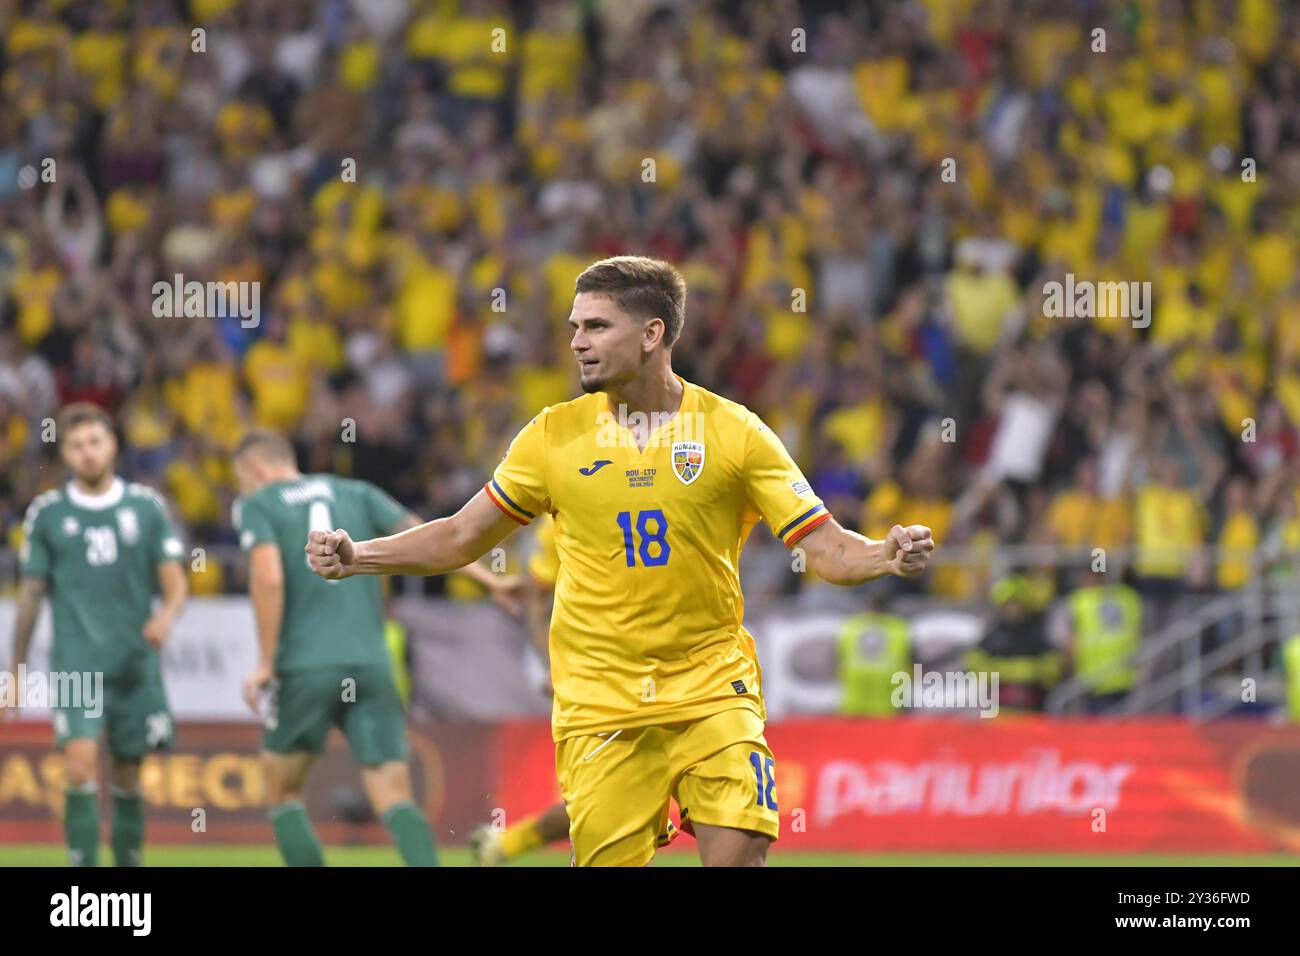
<point x="647" y="625"/>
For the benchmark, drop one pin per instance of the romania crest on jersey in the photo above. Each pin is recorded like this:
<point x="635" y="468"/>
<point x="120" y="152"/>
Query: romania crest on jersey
<point x="688" y="460"/>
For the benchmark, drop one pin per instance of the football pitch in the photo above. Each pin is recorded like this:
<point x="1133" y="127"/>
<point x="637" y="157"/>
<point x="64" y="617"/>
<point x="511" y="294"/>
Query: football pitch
<point x="33" y="854"/>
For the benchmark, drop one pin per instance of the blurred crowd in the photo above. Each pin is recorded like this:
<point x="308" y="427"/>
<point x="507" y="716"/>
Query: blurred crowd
<point x="867" y="200"/>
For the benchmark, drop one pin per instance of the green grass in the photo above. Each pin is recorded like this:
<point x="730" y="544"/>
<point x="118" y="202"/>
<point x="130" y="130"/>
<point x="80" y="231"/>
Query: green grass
<point x="33" y="854"/>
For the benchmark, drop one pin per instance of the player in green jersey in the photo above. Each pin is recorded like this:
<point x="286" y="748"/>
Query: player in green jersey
<point x="323" y="660"/>
<point x="97" y="546"/>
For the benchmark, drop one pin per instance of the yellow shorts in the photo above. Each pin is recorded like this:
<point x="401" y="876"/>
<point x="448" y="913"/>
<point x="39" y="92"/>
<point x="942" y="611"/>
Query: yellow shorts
<point x="617" y="784"/>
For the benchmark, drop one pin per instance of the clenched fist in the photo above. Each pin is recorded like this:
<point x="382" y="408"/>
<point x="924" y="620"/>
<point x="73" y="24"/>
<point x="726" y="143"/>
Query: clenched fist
<point x="908" y="549"/>
<point x="331" y="554"/>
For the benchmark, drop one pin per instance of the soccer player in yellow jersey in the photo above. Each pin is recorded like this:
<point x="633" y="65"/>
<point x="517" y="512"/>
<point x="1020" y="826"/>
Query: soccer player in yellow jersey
<point x="654" y="485"/>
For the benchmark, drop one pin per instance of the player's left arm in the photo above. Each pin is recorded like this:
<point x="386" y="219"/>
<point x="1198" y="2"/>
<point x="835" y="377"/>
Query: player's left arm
<point x="840" y="556"/>
<point x="167" y="553"/>
<point x="777" y="489"/>
<point x="175" y="589"/>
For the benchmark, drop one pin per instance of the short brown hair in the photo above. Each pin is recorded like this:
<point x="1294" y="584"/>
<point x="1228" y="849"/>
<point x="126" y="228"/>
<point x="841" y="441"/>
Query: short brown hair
<point x="640" y="286"/>
<point x="82" y="413"/>
<point x="267" y="445"/>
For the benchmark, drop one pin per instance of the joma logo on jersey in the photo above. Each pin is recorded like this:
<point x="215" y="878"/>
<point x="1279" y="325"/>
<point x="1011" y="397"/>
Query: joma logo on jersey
<point x="688" y="460"/>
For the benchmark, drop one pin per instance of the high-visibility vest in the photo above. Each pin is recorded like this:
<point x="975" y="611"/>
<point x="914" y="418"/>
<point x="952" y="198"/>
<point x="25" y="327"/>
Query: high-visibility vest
<point x="1291" y="665"/>
<point x="395" y="641"/>
<point x="872" y="649"/>
<point x="1107" y="624"/>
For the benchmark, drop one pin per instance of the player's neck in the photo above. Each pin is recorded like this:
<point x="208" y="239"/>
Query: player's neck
<point x="96" y="488"/>
<point x="659" y="391"/>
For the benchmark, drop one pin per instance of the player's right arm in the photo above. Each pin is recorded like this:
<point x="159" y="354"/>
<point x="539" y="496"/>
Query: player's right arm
<point x="266" y="591"/>
<point x="30" y="595"/>
<point x="504" y="588"/>
<point x="435" y="547"/>
<point x="447" y="544"/>
<point x="35" y="561"/>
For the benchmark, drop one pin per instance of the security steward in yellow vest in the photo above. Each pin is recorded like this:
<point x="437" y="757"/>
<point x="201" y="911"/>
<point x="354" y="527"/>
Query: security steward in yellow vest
<point x="1015" y="647"/>
<point x="872" y="648"/>
<point x="1106" y="631"/>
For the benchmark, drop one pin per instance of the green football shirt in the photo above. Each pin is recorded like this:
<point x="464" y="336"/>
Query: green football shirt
<point x="99" y="557"/>
<point x="325" y="623"/>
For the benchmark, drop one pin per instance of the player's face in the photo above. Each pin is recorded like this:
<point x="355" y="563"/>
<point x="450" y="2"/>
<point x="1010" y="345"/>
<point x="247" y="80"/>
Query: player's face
<point x="89" y="450"/>
<point x="610" y="344"/>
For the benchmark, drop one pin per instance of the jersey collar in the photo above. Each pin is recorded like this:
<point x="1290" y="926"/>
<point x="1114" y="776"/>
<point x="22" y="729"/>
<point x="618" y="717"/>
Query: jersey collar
<point x="98" y="502"/>
<point x="686" y="407"/>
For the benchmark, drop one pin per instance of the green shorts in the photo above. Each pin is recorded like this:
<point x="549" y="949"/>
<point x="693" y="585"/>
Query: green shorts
<point x="134" y="711"/>
<point x="362" y="702"/>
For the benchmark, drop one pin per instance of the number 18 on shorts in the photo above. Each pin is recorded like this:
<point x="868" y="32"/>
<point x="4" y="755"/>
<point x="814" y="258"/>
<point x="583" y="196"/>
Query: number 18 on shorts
<point x="617" y="784"/>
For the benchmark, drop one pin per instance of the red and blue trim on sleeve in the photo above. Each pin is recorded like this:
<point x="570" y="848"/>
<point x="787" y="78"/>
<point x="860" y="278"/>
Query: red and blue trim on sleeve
<point x="801" y="525"/>
<point x="502" y="501"/>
